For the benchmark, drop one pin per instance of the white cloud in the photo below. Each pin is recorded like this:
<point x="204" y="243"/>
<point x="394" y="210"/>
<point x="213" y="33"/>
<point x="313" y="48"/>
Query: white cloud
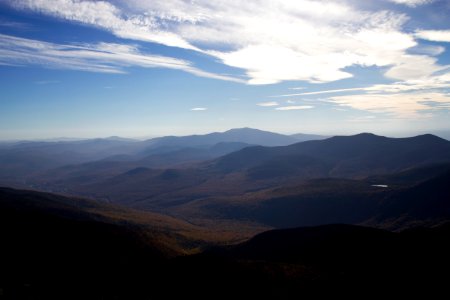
<point x="199" y="109"/>
<point x="406" y="105"/>
<point x="268" y="104"/>
<point x="107" y="16"/>
<point x="412" y="3"/>
<point x="271" y="41"/>
<point x="298" y="107"/>
<point x="434" y="35"/>
<point x="404" y="99"/>
<point x="101" y="57"/>
<point x="414" y="67"/>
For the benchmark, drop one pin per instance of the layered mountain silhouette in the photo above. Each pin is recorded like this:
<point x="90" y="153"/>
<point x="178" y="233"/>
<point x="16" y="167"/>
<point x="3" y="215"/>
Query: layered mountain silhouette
<point x="21" y="159"/>
<point x="239" y="135"/>
<point x="341" y="156"/>
<point x="145" y="184"/>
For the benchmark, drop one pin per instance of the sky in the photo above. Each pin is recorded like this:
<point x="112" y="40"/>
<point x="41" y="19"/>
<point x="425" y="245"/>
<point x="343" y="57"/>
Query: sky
<point x="136" y="68"/>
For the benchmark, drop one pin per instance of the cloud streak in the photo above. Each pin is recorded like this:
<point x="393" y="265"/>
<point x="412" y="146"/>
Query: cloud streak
<point x="268" y="104"/>
<point x="412" y="3"/>
<point x="100" y="57"/>
<point x="437" y="82"/>
<point x="294" y="107"/>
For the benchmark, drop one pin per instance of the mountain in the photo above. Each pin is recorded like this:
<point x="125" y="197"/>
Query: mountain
<point x="97" y="171"/>
<point x="54" y="246"/>
<point x="424" y="204"/>
<point x="22" y="159"/>
<point x="331" y="200"/>
<point x="326" y="261"/>
<point x="239" y="135"/>
<point x="223" y="181"/>
<point x="167" y="236"/>
<point x="190" y="154"/>
<point x="341" y="156"/>
<point x="19" y="160"/>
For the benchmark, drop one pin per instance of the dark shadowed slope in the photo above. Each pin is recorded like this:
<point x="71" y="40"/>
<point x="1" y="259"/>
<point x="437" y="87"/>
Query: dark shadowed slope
<point x="169" y="235"/>
<point x="325" y="201"/>
<point x="424" y="204"/>
<point x="332" y="261"/>
<point x="56" y="247"/>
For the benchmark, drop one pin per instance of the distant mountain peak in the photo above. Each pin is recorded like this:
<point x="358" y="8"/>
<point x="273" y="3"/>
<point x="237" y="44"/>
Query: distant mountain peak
<point x="245" y="129"/>
<point x="430" y="136"/>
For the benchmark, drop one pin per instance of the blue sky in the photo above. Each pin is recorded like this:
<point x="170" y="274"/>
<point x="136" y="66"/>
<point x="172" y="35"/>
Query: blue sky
<point x="147" y="68"/>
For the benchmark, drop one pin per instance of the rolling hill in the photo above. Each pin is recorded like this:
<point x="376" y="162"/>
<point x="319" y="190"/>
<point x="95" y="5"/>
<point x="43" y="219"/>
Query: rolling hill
<point x="328" y="201"/>
<point x="55" y="246"/>
<point x="328" y="261"/>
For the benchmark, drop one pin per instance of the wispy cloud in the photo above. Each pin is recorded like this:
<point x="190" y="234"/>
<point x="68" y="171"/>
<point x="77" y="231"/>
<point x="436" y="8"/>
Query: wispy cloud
<point x="199" y="109"/>
<point x="296" y="107"/>
<point x="271" y="41"/>
<point x="321" y="92"/>
<point x="441" y="81"/>
<point x="100" y="57"/>
<point x="406" y="99"/>
<point x="14" y="25"/>
<point x="268" y="104"/>
<point x="412" y="3"/>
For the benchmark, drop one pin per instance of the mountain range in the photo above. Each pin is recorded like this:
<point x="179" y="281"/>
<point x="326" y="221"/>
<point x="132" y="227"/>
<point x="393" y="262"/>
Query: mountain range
<point x="243" y="212"/>
<point x="21" y="159"/>
<point x="346" y="159"/>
